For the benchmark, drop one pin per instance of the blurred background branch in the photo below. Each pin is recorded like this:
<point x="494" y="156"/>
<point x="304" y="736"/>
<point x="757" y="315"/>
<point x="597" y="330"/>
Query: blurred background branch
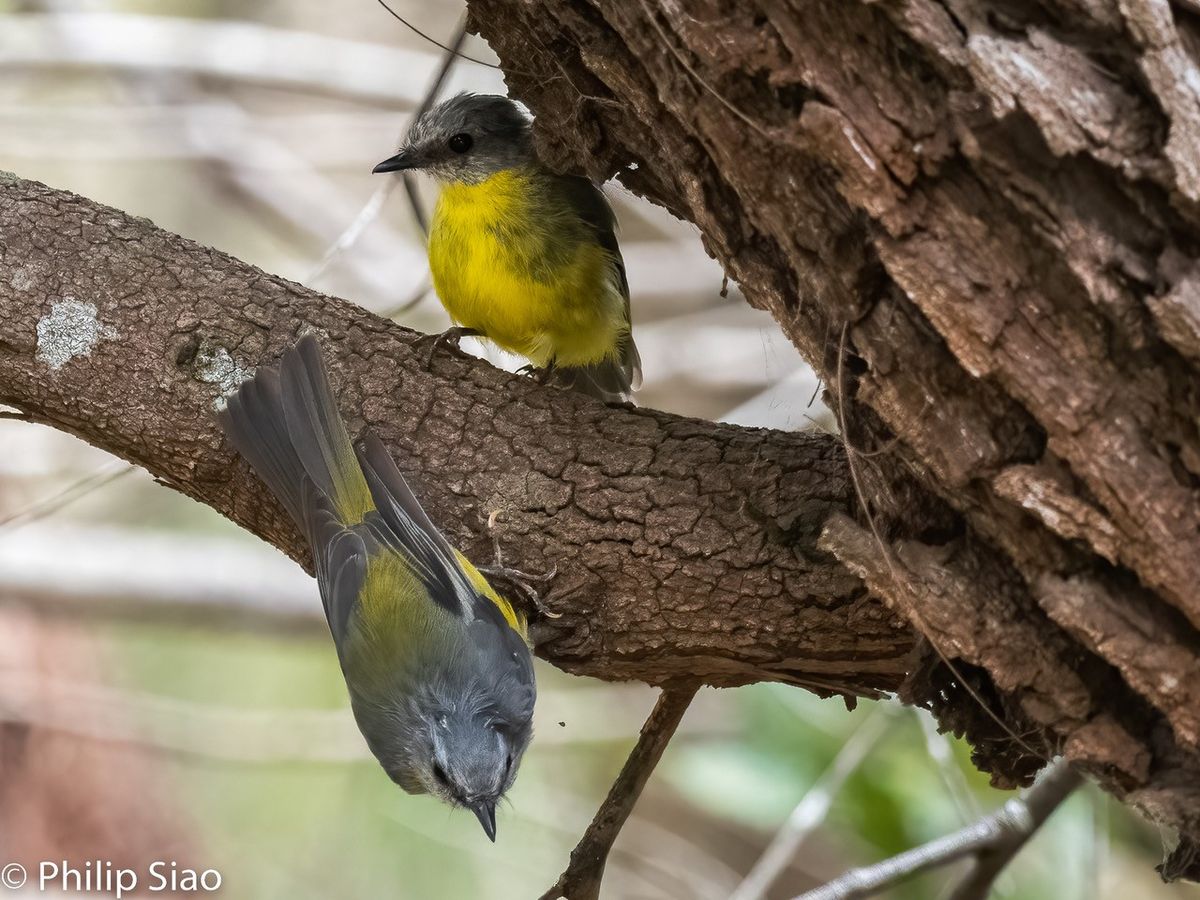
<point x="991" y="843"/>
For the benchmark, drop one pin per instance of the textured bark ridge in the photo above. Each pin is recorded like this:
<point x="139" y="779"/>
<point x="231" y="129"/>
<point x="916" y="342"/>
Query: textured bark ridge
<point x="683" y="548"/>
<point x="980" y="222"/>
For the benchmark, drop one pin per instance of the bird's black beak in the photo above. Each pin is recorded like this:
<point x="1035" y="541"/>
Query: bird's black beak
<point x="402" y="160"/>
<point x="485" y="812"/>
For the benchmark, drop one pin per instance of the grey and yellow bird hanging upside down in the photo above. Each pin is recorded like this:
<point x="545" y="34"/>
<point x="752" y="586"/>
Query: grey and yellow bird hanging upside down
<point x="436" y="662"/>
<point x="520" y="255"/>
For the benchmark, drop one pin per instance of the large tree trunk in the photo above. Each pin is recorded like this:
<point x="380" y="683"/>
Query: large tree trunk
<point x="980" y="222"/>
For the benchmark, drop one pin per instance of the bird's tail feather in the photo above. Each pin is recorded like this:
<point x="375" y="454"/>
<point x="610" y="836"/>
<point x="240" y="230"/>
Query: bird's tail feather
<point x="253" y="422"/>
<point x="612" y="380"/>
<point x="286" y="424"/>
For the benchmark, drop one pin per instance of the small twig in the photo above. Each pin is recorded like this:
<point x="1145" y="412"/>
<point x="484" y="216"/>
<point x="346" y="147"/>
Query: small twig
<point x="453" y="52"/>
<point x="581" y="880"/>
<point x="1014" y="832"/>
<point x="15" y="415"/>
<point x="352" y="232"/>
<point x="992" y="842"/>
<point x="431" y="95"/>
<point x="414" y="203"/>
<point x="1092" y="885"/>
<point x="816" y="390"/>
<point x="698" y="78"/>
<point x="813" y="807"/>
<point x="886" y="448"/>
<point x="820" y="426"/>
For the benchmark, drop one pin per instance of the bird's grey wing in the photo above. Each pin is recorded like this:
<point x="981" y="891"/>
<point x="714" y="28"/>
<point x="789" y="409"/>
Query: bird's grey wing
<point x="609" y="381"/>
<point x="594" y="210"/>
<point x="403" y="524"/>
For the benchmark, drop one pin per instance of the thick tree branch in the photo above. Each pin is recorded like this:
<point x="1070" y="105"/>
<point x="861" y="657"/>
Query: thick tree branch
<point x="684" y="548"/>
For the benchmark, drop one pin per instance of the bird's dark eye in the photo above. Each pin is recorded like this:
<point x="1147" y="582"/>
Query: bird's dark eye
<point x="439" y="775"/>
<point x="461" y="143"/>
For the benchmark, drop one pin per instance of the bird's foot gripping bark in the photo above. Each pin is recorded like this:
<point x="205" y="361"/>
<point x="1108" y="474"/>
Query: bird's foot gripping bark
<point x="450" y="337"/>
<point x="524" y="584"/>
<point x="540" y="374"/>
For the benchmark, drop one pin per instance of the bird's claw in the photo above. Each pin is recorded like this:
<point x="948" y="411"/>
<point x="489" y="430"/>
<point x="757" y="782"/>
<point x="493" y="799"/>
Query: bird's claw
<point x="540" y="374"/>
<point x="521" y="581"/>
<point x="450" y="337"/>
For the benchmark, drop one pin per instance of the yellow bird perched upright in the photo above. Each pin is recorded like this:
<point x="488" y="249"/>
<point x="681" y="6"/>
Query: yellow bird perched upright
<point x="520" y="255"/>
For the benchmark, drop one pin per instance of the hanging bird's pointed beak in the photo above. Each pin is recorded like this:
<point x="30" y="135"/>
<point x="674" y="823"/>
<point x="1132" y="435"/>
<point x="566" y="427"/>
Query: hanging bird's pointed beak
<point x="402" y="160"/>
<point x="485" y="812"/>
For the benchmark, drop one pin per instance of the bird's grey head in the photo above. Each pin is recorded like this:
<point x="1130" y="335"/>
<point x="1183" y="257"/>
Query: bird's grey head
<point x="466" y="138"/>
<point x="459" y="740"/>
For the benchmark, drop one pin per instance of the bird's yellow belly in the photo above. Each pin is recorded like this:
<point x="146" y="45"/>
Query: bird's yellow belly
<point x="517" y="273"/>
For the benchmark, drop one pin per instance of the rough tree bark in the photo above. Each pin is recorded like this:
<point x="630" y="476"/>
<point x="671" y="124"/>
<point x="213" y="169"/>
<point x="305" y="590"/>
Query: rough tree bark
<point x="980" y="222"/>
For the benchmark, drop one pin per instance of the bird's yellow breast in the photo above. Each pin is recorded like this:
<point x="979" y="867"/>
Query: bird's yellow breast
<point x="512" y="260"/>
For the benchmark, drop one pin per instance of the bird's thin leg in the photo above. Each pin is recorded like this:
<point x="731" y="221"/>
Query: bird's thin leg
<point x="545" y="373"/>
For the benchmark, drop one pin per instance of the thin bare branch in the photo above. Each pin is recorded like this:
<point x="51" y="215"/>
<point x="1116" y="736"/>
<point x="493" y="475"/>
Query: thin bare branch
<point x="581" y="880"/>
<point x="451" y="56"/>
<point x="349" y="237"/>
<point x="72" y="492"/>
<point x="991" y="842"/>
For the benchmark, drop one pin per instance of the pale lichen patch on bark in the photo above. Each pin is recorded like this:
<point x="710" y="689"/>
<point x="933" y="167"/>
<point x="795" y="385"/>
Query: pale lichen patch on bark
<point x="70" y="329"/>
<point x="215" y="365"/>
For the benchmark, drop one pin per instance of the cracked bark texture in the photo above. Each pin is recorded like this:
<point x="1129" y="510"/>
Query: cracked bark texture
<point x="684" y="548"/>
<point x="998" y="206"/>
